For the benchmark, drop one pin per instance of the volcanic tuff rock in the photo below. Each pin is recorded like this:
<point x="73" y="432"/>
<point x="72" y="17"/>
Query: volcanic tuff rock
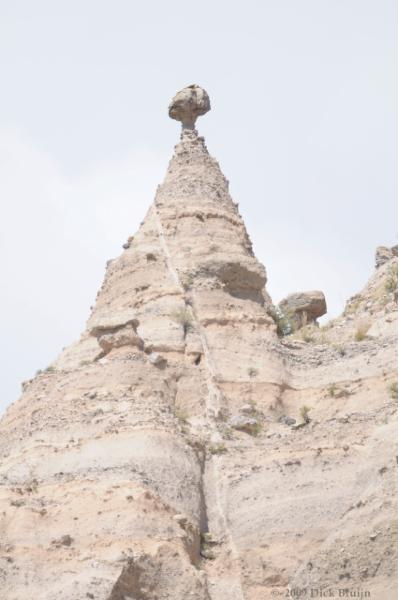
<point x="304" y="307"/>
<point x="122" y="474"/>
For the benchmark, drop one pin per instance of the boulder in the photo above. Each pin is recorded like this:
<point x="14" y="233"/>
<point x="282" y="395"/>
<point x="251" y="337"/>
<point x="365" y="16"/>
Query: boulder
<point x="243" y="423"/>
<point x="188" y="104"/>
<point x="303" y="307"/>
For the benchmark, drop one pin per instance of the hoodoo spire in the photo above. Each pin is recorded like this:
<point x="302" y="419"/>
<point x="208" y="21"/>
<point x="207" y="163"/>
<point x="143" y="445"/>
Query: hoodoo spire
<point x="159" y="456"/>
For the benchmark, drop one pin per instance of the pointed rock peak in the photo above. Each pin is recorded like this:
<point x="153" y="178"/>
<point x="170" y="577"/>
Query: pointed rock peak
<point x="189" y="104"/>
<point x="192" y="172"/>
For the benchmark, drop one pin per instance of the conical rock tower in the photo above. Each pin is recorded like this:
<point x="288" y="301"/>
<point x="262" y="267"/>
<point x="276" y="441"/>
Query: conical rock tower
<point x="181" y="449"/>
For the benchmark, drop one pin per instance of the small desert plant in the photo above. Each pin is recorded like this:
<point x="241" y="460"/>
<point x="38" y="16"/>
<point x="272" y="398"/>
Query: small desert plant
<point x="187" y="280"/>
<point x="307" y="336"/>
<point x="31" y="483"/>
<point x="49" y="369"/>
<point x="206" y="544"/>
<point x="340" y="349"/>
<point x="393" y="389"/>
<point x="252" y="372"/>
<point x="361" y="332"/>
<point x="391" y="284"/>
<point x="304" y="413"/>
<point x="217" y="449"/>
<point x="323" y="339"/>
<point x="332" y="389"/>
<point x="184" y="318"/>
<point x="181" y="415"/>
<point x="254" y="429"/>
<point x="285" y="324"/>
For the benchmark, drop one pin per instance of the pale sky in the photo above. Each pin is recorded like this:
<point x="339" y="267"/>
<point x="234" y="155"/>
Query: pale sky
<point x="304" y="123"/>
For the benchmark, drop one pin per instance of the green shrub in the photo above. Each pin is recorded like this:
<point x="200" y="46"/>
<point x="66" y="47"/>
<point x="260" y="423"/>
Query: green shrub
<point x="361" y="332"/>
<point x="181" y="415"/>
<point x="391" y="284"/>
<point x="332" y="389"/>
<point x="217" y="449"/>
<point x="183" y="317"/>
<point x="304" y="413"/>
<point x="340" y="349"/>
<point x="254" y="429"/>
<point x="394" y="390"/>
<point x="252" y="372"/>
<point x="285" y="324"/>
<point x="187" y="280"/>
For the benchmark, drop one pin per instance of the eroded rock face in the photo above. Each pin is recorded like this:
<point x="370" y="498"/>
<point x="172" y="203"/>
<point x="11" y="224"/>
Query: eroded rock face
<point x="304" y="307"/>
<point x="181" y="449"/>
<point x="384" y="254"/>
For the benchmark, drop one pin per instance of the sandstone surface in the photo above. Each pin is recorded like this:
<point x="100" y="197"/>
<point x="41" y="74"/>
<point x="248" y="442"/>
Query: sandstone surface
<point x="182" y="449"/>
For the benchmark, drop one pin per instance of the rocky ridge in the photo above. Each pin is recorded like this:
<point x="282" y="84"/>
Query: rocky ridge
<point x="181" y="448"/>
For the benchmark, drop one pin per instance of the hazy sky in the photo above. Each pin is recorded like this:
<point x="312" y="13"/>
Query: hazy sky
<point x="304" y="123"/>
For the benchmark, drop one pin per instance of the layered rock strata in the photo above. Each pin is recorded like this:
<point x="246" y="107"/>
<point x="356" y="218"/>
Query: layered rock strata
<point x="181" y="449"/>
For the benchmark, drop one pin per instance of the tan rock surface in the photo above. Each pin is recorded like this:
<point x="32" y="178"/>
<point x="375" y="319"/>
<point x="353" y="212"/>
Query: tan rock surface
<point x="181" y="449"/>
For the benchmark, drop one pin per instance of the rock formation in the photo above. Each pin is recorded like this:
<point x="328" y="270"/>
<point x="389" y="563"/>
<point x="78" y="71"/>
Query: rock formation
<point x="384" y="254"/>
<point x="303" y="308"/>
<point x="182" y="449"/>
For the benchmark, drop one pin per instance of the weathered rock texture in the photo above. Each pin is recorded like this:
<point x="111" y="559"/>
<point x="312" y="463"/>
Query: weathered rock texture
<point x="181" y="449"/>
<point x="303" y="307"/>
<point x="384" y="254"/>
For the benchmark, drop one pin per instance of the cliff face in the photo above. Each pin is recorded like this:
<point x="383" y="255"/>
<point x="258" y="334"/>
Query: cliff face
<point x="181" y="448"/>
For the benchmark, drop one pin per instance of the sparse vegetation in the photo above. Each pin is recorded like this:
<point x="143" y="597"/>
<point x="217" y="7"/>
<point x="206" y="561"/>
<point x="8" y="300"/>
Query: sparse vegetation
<point x="332" y="389"/>
<point x="252" y="372"/>
<point x="340" y="349"/>
<point x="206" y="545"/>
<point x="32" y="485"/>
<point x="50" y="369"/>
<point x="284" y="322"/>
<point x="323" y="339"/>
<point x="187" y="280"/>
<point x="304" y="413"/>
<point x="254" y="429"/>
<point x="391" y="284"/>
<point x="361" y="332"/>
<point x="393" y="389"/>
<point x="335" y="392"/>
<point x="217" y="449"/>
<point x="307" y="336"/>
<point x="184" y="318"/>
<point x="181" y="415"/>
